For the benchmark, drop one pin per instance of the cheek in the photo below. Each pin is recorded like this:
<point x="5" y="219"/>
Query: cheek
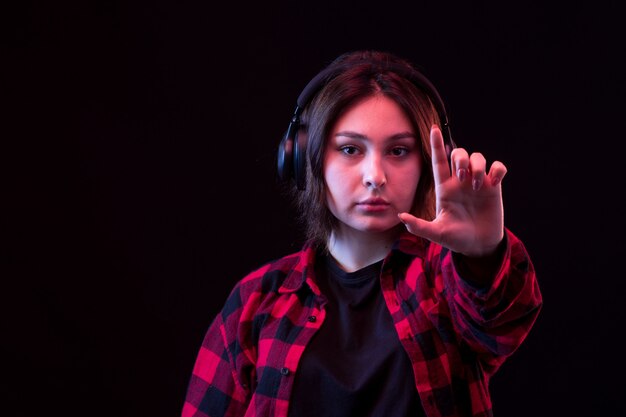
<point x="339" y="188"/>
<point x="410" y="190"/>
<point x="335" y="184"/>
<point x="334" y="174"/>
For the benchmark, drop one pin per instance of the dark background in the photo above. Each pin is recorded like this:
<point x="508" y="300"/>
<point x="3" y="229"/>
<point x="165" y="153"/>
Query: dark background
<point x="139" y="181"/>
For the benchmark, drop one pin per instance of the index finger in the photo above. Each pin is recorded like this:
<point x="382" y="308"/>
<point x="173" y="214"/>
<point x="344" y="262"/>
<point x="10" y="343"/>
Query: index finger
<point x="441" y="170"/>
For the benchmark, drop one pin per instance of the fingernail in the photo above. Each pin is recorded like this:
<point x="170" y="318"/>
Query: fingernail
<point x="475" y="184"/>
<point x="461" y="173"/>
<point x="495" y="180"/>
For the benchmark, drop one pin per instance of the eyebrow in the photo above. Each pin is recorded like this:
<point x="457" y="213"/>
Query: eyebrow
<point x="355" y="135"/>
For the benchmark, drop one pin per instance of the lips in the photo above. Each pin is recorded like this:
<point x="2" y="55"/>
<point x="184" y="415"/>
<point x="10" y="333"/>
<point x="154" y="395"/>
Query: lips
<point x="374" y="202"/>
<point x="373" y="205"/>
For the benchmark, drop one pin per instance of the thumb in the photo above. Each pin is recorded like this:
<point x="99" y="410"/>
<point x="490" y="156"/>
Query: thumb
<point x="418" y="227"/>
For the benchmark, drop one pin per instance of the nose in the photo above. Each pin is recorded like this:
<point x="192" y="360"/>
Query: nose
<point x="373" y="172"/>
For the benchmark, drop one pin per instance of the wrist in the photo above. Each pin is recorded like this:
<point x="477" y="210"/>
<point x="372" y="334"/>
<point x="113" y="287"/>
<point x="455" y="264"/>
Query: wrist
<point x="480" y="270"/>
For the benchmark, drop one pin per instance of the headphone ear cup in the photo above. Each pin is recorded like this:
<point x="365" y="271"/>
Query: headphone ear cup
<point x="299" y="159"/>
<point x="291" y="158"/>
<point x="285" y="158"/>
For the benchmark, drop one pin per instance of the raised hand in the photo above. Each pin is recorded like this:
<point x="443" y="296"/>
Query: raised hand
<point x="469" y="214"/>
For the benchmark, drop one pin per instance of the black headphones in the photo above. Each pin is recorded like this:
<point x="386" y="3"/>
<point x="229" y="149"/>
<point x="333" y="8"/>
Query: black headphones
<point x="292" y="148"/>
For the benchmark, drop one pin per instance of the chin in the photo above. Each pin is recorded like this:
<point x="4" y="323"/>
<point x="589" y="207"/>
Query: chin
<point x="379" y="227"/>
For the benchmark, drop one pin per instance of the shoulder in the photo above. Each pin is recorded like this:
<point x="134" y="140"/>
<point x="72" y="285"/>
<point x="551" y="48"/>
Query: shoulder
<point x="267" y="284"/>
<point x="284" y="274"/>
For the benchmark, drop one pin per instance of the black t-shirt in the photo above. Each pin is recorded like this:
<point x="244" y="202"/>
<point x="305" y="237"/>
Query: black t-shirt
<point x="355" y="365"/>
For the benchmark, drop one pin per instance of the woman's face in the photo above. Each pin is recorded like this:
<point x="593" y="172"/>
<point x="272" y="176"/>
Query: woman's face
<point x="372" y="166"/>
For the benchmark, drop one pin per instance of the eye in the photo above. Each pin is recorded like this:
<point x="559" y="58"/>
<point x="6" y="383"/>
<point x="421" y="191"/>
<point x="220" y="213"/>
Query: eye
<point x="349" y="149"/>
<point x="399" y="151"/>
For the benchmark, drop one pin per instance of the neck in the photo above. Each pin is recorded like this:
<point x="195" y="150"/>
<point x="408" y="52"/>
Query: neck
<point x="354" y="250"/>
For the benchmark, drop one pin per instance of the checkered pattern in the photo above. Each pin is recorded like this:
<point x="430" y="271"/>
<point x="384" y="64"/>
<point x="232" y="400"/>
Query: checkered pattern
<point x="455" y="334"/>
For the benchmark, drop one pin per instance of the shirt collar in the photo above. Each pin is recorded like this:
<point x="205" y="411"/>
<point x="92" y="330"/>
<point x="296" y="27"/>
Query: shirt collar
<point x="304" y="268"/>
<point x="302" y="271"/>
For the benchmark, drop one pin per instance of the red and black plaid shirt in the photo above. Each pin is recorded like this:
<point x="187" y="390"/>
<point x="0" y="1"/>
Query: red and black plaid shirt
<point x="456" y="335"/>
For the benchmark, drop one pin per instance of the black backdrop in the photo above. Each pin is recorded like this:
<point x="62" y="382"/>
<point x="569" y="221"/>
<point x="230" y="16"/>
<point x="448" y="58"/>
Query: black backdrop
<point x="139" y="181"/>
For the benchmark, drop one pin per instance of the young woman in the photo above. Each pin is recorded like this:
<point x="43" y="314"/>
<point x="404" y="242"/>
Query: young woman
<point x="409" y="292"/>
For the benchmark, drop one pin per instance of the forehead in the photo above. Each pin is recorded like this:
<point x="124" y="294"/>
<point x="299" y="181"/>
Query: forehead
<point x="376" y="114"/>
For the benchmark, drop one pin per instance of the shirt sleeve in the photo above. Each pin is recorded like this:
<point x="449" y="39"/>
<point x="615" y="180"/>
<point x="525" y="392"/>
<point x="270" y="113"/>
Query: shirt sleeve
<point x="216" y="388"/>
<point x="495" y="319"/>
